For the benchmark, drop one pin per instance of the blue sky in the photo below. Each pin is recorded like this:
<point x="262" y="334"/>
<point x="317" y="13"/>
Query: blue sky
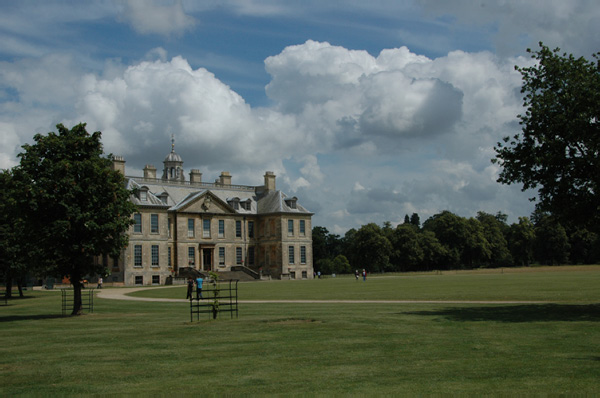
<point x="366" y="111"/>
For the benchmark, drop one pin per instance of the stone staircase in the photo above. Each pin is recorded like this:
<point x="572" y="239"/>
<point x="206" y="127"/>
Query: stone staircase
<point x="240" y="273"/>
<point x="236" y="275"/>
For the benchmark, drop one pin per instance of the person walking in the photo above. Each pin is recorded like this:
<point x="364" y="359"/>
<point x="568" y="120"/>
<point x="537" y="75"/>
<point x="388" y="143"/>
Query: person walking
<point x="199" y="282"/>
<point x="356" y="274"/>
<point x="364" y="274"/>
<point x="100" y="283"/>
<point x="190" y="288"/>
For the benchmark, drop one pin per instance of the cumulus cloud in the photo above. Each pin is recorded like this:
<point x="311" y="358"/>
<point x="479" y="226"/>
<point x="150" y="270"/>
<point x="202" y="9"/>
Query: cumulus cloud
<point x="571" y="25"/>
<point x="213" y="125"/>
<point x="371" y="138"/>
<point x="148" y="17"/>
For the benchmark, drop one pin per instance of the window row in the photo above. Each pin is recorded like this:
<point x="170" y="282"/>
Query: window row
<point x="139" y="280"/>
<point x="137" y="226"/>
<point x="292" y="255"/>
<point x="239" y="256"/>
<point x="154" y="256"/>
<point x="207" y="225"/>
<point x="301" y="227"/>
<point x="293" y="275"/>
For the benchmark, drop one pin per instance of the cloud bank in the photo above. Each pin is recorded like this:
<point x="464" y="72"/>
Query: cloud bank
<point x="359" y="138"/>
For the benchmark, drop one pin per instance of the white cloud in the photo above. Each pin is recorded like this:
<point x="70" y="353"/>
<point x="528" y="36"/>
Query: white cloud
<point x="571" y="25"/>
<point x="373" y="138"/>
<point x="148" y="17"/>
<point x="311" y="169"/>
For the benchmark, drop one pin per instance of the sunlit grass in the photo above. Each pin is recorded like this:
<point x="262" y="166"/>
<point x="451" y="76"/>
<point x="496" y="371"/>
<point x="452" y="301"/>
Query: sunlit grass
<point x="559" y="284"/>
<point x="151" y="348"/>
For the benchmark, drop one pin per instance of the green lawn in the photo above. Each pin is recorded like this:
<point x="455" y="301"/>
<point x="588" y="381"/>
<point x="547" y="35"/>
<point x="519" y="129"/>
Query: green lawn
<point x="556" y="284"/>
<point x="129" y="347"/>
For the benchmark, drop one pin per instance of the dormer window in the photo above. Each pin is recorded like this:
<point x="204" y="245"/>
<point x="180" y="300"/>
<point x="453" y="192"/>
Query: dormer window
<point x="291" y="202"/>
<point x="247" y="204"/>
<point x="144" y="194"/>
<point x="164" y="197"/>
<point x="234" y="202"/>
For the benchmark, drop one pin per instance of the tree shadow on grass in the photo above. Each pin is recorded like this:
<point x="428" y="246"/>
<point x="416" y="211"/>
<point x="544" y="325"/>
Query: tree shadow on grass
<point x="12" y="318"/>
<point x="519" y="313"/>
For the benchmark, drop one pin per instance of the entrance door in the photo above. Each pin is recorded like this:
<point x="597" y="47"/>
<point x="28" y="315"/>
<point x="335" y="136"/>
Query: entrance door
<point x="207" y="259"/>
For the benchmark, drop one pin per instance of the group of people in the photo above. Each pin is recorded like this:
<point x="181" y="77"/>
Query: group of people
<point x="364" y="274"/>
<point x="190" y="287"/>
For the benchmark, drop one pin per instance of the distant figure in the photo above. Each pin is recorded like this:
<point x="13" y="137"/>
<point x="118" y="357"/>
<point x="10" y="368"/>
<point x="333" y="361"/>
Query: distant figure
<point x="319" y="274"/>
<point x="199" y="282"/>
<point x="100" y="283"/>
<point x="190" y="288"/>
<point x="364" y="275"/>
<point x="356" y="274"/>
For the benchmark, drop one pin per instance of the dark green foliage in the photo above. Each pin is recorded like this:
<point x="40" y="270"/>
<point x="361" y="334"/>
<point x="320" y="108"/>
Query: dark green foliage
<point x="407" y="252"/>
<point x="372" y="249"/>
<point x="585" y="247"/>
<point x="463" y="238"/>
<point x="494" y="231"/>
<point x="557" y="150"/>
<point x="415" y="220"/>
<point x="326" y="247"/>
<point x="75" y="207"/>
<point x="319" y="245"/>
<point x="13" y="253"/>
<point x="551" y="241"/>
<point x="521" y="237"/>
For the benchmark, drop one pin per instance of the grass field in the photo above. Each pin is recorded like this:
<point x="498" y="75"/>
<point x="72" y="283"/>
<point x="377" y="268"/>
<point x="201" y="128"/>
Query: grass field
<point x="131" y="347"/>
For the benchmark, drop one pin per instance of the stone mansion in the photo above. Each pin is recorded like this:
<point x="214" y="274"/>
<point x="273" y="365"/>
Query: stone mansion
<point x="182" y="224"/>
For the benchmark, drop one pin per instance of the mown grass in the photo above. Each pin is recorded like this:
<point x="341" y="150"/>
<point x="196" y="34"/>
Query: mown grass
<point x="129" y="347"/>
<point x="556" y="284"/>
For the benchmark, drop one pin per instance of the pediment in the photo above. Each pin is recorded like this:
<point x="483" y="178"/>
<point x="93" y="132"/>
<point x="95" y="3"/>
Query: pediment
<point x="206" y="203"/>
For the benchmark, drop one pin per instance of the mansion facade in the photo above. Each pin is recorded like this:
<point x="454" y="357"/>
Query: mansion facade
<point x="182" y="224"/>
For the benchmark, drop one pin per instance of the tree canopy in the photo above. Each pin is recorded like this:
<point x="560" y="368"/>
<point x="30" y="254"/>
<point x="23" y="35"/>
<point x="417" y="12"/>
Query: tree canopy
<point x="558" y="150"/>
<point x="15" y="250"/>
<point x="75" y="207"/>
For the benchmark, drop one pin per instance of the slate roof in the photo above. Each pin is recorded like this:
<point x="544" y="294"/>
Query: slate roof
<point x="181" y="193"/>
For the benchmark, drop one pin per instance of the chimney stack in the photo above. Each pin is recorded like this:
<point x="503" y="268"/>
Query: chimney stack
<point x="269" y="181"/>
<point x="149" y="171"/>
<point x="195" y="175"/>
<point x="119" y="164"/>
<point x="225" y="178"/>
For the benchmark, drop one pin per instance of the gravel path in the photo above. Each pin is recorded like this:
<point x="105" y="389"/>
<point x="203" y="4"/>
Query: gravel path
<point x="123" y="294"/>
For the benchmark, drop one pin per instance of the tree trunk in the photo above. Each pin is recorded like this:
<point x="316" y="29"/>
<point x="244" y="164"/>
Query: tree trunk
<point x="8" y="287"/>
<point x="20" y="286"/>
<point x="75" y="280"/>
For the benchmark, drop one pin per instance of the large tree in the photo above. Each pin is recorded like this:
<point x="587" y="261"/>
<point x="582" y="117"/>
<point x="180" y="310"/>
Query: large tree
<point x="551" y="241"/>
<point x="372" y="249"/>
<point x="75" y="205"/>
<point x="463" y="238"/>
<point x="494" y="230"/>
<point x="558" y="150"/>
<point x="521" y="237"/>
<point x="13" y="251"/>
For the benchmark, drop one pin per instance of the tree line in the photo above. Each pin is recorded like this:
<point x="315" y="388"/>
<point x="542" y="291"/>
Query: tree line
<point x="447" y="241"/>
<point x="556" y="153"/>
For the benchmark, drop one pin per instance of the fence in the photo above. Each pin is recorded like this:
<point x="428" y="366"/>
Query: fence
<point x="216" y="297"/>
<point x="68" y="297"/>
